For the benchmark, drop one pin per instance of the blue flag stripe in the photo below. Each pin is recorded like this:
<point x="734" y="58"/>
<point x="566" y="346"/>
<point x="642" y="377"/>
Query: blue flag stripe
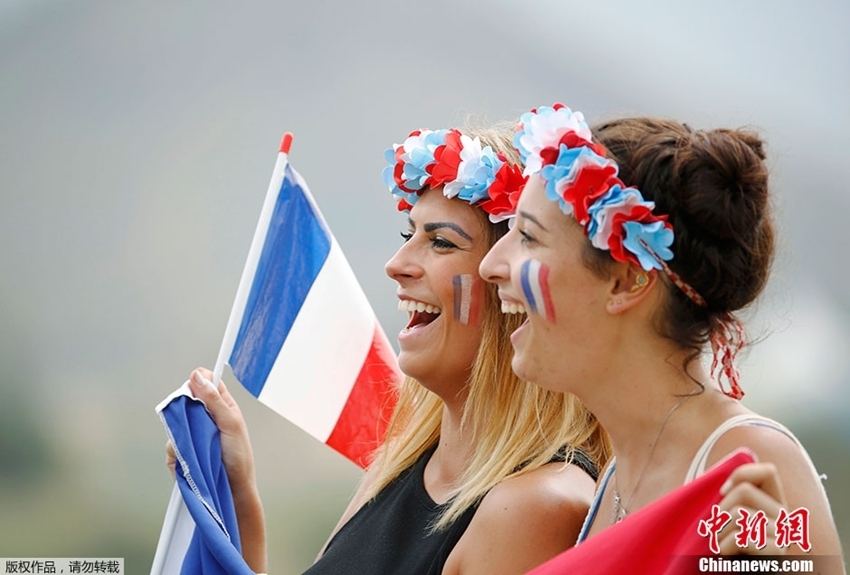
<point x="294" y="251"/>
<point x="526" y="286"/>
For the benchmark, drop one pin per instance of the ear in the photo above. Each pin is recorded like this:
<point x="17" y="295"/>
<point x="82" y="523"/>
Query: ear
<point x="630" y="285"/>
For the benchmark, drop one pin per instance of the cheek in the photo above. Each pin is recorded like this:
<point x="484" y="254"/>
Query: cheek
<point x="467" y="297"/>
<point x="534" y="280"/>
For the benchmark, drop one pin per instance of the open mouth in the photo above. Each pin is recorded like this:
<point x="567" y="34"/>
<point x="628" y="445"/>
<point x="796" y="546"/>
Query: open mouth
<point x="421" y="314"/>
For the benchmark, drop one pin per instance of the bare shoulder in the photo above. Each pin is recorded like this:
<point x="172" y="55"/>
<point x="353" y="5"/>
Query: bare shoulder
<point x="525" y="521"/>
<point x="552" y="489"/>
<point x="800" y="485"/>
<point x="768" y="443"/>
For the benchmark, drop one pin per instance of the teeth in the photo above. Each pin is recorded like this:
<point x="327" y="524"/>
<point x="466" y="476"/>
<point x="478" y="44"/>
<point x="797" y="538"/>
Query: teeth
<point x="412" y="306"/>
<point x="508" y="307"/>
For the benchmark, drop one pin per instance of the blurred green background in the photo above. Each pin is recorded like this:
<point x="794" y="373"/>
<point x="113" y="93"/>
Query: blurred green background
<point x="136" y="143"/>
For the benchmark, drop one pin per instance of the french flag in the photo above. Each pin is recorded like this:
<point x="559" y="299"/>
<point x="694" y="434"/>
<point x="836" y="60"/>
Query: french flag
<point x="303" y="339"/>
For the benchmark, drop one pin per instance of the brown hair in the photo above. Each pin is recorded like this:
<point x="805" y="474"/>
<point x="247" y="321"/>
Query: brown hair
<point x="713" y="187"/>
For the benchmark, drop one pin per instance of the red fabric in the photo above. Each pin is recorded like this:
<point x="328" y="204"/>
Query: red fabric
<point x="363" y="422"/>
<point x="660" y="539"/>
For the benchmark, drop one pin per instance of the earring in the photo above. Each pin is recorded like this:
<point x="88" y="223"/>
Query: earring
<point x="640" y="281"/>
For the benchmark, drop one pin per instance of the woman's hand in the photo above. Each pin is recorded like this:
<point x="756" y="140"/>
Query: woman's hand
<point x="754" y="488"/>
<point x="236" y="452"/>
<point x="238" y="459"/>
<point x="170" y="459"/>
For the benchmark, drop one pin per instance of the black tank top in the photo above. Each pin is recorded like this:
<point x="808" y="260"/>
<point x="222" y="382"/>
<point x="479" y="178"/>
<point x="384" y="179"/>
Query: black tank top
<point x="392" y="533"/>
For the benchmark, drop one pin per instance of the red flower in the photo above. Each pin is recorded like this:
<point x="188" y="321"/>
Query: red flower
<point x="640" y="214"/>
<point x="592" y="181"/>
<point x="446" y="161"/>
<point x="398" y="171"/>
<point x="549" y="156"/>
<point x="572" y="140"/>
<point x="505" y="191"/>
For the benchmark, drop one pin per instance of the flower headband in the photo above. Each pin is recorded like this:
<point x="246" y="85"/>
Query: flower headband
<point x="464" y="168"/>
<point x="556" y="143"/>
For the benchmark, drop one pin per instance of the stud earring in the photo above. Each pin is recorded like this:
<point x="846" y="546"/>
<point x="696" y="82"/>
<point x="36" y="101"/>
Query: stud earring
<point x="640" y="281"/>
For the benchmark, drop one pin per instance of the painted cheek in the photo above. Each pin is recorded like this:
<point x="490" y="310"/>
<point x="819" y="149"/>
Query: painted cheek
<point x="466" y="289"/>
<point x="534" y="277"/>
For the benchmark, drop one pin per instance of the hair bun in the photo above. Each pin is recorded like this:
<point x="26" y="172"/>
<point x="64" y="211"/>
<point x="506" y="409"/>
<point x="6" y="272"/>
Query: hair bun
<point x="721" y="182"/>
<point x="713" y="186"/>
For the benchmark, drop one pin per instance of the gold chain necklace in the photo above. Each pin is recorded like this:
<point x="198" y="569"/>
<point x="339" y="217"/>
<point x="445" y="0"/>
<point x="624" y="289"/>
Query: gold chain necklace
<point x="620" y="510"/>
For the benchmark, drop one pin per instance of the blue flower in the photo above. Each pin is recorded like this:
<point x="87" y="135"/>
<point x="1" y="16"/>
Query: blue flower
<point x="418" y="154"/>
<point x="543" y="128"/>
<point x="476" y="172"/>
<point x="617" y="198"/>
<point x="558" y="175"/>
<point x="657" y="236"/>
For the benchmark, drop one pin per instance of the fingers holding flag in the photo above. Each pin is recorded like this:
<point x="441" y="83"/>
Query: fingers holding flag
<point x="238" y="459"/>
<point x="753" y="495"/>
<point x="754" y="483"/>
<point x="236" y="452"/>
<point x="219" y="402"/>
<point x="171" y="459"/>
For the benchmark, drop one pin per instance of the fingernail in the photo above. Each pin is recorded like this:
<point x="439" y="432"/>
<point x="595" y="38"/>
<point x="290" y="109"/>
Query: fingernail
<point x="724" y="489"/>
<point x="200" y="379"/>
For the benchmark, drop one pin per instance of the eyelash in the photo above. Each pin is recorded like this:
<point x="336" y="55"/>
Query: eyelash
<point x="526" y="237"/>
<point x="442" y="244"/>
<point x="437" y="242"/>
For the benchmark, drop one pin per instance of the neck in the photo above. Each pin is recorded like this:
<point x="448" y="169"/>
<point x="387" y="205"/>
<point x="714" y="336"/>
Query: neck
<point x="453" y="450"/>
<point x="634" y="395"/>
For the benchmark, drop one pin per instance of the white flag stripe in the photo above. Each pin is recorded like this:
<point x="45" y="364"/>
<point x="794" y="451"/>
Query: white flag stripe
<point x="466" y="297"/>
<point x="321" y="358"/>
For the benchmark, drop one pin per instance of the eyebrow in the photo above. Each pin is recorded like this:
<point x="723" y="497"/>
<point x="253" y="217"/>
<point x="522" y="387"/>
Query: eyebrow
<point x="531" y="218"/>
<point x="432" y="226"/>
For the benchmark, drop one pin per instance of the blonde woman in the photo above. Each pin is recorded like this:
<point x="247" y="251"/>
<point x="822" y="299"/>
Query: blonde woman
<point x="480" y="473"/>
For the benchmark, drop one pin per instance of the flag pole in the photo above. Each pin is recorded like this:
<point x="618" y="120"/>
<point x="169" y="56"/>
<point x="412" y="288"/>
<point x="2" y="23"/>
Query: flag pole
<point x="234" y="322"/>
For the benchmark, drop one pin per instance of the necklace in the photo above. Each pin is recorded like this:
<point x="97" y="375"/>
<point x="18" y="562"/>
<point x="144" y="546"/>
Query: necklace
<point x="620" y="510"/>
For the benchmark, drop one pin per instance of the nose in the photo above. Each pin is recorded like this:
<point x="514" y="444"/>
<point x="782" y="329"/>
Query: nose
<point x="402" y="266"/>
<point x="494" y="268"/>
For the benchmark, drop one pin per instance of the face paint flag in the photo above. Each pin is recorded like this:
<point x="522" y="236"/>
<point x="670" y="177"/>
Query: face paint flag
<point x="662" y="538"/>
<point x="302" y="337"/>
<point x="465" y="308"/>
<point x="534" y="277"/>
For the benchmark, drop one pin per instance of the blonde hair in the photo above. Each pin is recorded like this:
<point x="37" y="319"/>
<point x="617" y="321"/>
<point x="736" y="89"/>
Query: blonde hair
<point x="515" y="426"/>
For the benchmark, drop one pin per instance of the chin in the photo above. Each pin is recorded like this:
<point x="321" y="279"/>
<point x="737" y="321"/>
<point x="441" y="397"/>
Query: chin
<point x="416" y="366"/>
<point x="407" y="365"/>
<point x="521" y="369"/>
<point x="529" y="370"/>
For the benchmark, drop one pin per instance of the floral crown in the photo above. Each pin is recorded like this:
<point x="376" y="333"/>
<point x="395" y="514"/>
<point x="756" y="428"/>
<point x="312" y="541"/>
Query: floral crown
<point x="556" y="143"/>
<point x="465" y="169"/>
